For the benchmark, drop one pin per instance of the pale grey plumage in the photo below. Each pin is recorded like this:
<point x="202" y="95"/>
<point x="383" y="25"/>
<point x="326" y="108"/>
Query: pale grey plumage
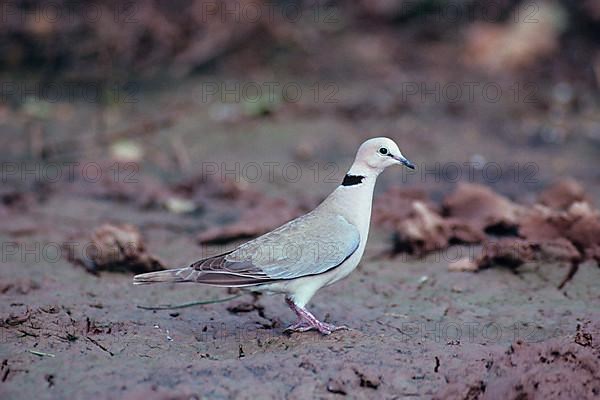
<point x="308" y="253"/>
<point x="309" y="245"/>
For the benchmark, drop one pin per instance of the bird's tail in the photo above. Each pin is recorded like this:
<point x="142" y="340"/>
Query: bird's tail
<point x="170" y="275"/>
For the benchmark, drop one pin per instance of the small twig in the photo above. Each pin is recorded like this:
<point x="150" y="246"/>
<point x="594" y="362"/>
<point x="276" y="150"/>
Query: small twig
<point x="190" y="304"/>
<point x="41" y="354"/>
<point x="25" y="333"/>
<point x="99" y="345"/>
<point x="570" y="274"/>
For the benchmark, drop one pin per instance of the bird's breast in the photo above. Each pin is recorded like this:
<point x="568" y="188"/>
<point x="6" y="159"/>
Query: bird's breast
<point x="345" y="268"/>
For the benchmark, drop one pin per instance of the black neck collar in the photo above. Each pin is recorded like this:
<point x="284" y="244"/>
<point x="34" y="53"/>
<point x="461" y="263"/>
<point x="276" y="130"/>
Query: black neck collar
<point x="351" y="180"/>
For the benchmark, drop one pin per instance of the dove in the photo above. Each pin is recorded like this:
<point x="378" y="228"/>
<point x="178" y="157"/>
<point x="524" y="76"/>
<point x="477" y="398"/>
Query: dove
<point x="308" y="253"/>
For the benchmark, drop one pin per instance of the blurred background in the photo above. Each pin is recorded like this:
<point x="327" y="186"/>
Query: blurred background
<point x="160" y="132"/>
<point x="170" y="85"/>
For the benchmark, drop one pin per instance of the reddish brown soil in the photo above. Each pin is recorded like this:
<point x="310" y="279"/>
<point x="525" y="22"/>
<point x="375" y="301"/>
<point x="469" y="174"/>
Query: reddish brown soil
<point x="69" y="329"/>
<point x="418" y="329"/>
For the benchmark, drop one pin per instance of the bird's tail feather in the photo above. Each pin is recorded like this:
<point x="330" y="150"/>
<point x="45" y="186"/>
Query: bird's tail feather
<point x="170" y="275"/>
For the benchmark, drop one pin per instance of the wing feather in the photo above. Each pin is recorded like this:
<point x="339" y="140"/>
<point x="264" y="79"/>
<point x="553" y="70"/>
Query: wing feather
<point x="309" y="245"/>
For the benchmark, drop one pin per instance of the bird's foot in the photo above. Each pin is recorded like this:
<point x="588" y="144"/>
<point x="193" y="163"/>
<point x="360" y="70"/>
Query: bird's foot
<point x="307" y="325"/>
<point x="307" y="321"/>
<point x="301" y="326"/>
<point x="326" y="328"/>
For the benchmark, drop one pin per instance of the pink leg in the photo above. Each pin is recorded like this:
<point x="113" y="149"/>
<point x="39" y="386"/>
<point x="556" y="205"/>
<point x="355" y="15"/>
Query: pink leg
<point x="306" y="321"/>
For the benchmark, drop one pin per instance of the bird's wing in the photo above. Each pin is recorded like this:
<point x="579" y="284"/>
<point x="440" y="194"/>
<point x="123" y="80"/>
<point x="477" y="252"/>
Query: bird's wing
<point x="309" y="245"/>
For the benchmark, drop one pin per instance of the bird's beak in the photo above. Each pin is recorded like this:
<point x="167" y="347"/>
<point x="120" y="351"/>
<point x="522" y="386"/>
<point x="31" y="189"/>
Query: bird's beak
<point x="404" y="161"/>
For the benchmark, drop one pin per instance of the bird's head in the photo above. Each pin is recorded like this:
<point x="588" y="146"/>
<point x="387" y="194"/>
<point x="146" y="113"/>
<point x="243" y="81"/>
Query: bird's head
<point x="379" y="153"/>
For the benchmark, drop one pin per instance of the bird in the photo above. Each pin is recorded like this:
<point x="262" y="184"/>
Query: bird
<point x="306" y="254"/>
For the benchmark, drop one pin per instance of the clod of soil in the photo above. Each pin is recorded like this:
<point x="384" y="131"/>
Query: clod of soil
<point x="396" y="204"/>
<point x="118" y="248"/>
<point x="423" y="231"/>
<point x="562" y="194"/>
<point x="482" y="209"/>
<point x="561" y="227"/>
<point x="580" y="225"/>
<point x="507" y="252"/>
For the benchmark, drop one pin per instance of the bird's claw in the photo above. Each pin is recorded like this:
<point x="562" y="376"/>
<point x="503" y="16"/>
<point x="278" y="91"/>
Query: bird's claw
<point x="334" y="328"/>
<point x="306" y="321"/>
<point x="299" y="327"/>
<point x="323" y="327"/>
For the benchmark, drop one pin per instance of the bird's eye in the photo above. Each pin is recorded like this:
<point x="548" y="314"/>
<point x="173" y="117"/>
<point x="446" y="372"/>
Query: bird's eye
<point x="383" y="151"/>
